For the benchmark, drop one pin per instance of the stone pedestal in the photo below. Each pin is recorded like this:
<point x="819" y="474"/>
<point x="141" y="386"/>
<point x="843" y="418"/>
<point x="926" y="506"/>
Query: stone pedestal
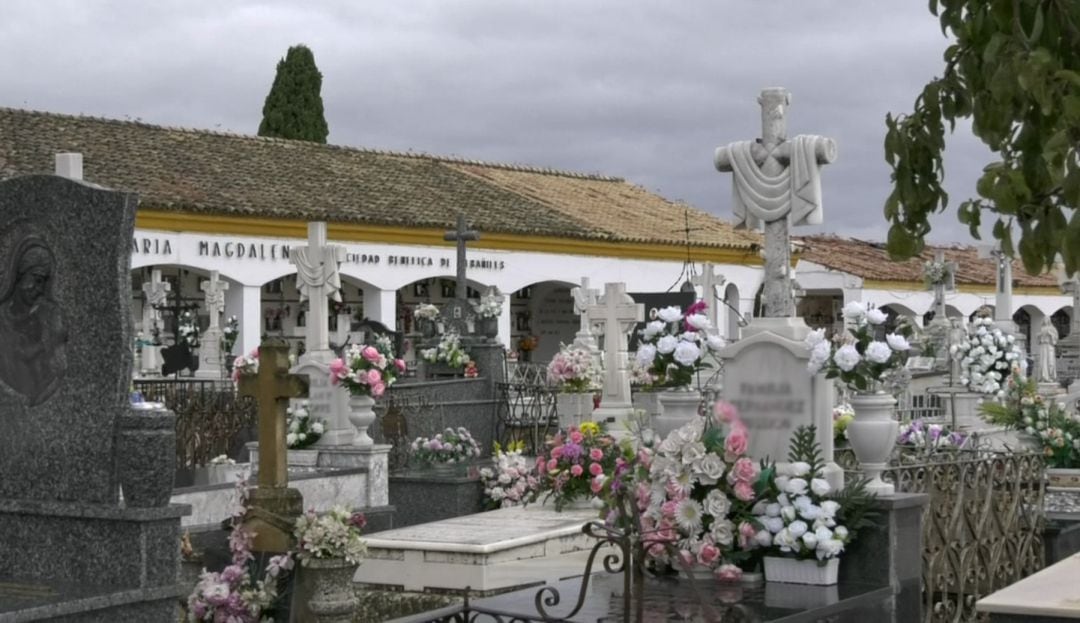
<point x="210" y="364"/>
<point x="1050" y="390"/>
<point x="151" y="360"/>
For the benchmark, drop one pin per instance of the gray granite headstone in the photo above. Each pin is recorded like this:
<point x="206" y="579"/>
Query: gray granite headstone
<point x="65" y="360"/>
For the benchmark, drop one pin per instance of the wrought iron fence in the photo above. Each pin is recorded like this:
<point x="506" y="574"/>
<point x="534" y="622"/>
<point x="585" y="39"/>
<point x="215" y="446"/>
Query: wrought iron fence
<point x="211" y="419"/>
<point x="919" y="407"/>
<point x="526" y="412"/>
<point x="982" y="529"/>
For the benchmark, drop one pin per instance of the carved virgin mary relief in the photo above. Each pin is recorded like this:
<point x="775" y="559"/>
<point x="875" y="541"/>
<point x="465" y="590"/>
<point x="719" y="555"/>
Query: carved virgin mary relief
<point x="32" y="328"/>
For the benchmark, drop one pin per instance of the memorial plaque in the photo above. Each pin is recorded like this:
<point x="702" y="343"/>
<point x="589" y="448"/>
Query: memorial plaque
<point x="327" y="402"/>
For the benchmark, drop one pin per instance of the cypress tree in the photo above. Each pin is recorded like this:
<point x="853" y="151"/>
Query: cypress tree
<point x="294" y="107"/>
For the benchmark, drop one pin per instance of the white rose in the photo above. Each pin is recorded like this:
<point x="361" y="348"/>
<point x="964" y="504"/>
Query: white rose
<point x="878" y="352"/>
<point x="810" y="540"/>
<point x="693" y="452"/>
<point x="796" y="486"/>
<point x="797" y="528"/>
<point x="829" y="508"/>
<point x="723" y="532"/>
<point x="670" y="314"/>
<point x="290" y="439"/>
<point x="819" y="355"/>
<point x="710" y="470"/>
<point x="715" y="342"/>
<point x="666" y="344"/>
<point x="897" y="342"/>
<point x="841" y="533"/>
<point x="773" y="524"/>
<point x="788" y="513"/>
<point x="855" y="311"/>
<point x="317" y="427"/>
<point x="846" y="357"/>
<point x="687" y="353"/>
<point x="815" y="337"/>
<point x="717" y="504"/>
<point x="699" y="322"/>
<point x="799" y="468"/>
<point x="820" y="486"/>
<point x="785" y="541"/>
<point x="823" y="534"/>
<point x="652" y="329"/>
<point x="876" y="316"/>
<point x="646" y="353"/>
<point x="772" y="510"/>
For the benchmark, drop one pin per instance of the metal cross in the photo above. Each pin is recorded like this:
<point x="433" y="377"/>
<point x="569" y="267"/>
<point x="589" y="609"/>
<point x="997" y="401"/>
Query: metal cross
<point x="461" y="235"/>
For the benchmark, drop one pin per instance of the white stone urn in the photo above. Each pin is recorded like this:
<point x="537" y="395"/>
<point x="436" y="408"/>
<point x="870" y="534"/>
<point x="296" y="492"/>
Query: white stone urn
<point x="678" y="406"/>
<point x="361" y="416"/>
<point x="872" y="435"/>
<point x="327" y="582"/>
<point x="793" y="571"/>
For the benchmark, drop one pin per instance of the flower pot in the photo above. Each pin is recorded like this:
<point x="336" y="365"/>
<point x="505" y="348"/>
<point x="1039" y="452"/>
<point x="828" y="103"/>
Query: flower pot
<point x="146" y="455"/>
<point x="488" y="327"/>
<point x="446" y="470"/>
<point x="574" y="408"/>
<point x="794" y="571"/>
<point x="327" y="585"/>
<point x="361" y="416"/>
<point x="678" y="407"/>
<point x="1063" y="478"/>
<point x="304" y="458"/>
<point x="872" y="435"/>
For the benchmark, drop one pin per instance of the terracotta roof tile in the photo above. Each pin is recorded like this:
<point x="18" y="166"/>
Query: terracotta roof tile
<point x="212" y="172"/>
<point x="870" y="260"/>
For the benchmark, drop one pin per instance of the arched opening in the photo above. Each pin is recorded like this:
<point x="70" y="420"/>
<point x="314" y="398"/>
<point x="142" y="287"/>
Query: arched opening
<point x="822" y="309"/>
<point x="1062" y="319"/>
<point x="542" y="317"/>
<point x="732" y="313"/>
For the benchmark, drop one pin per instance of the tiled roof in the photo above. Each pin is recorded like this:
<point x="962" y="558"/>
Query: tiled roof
<point x="199" y="171"/>
<point x="870" y="260"/>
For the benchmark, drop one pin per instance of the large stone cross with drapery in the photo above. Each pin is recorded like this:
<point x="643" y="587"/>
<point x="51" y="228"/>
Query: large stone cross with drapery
<point x="946" y="283"/>
<point x="318" y="278"/>
<point x="776" y="182"/>
<point x="157" y="294"/>
<point x="462" y="234"/>
<point x="214" y="289"/>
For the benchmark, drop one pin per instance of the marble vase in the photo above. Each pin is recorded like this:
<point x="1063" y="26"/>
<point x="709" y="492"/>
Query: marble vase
<point x="361" y="416"/>
<point x="328" y="582"/>
<point x="793" y="571"/>
<point x="678" y="407"/>
<point x="872" y="435"/>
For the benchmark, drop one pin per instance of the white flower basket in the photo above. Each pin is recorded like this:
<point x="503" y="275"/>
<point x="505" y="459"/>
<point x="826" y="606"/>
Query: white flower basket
<point x="794" y="571"/>
<point x="304" y="458"/>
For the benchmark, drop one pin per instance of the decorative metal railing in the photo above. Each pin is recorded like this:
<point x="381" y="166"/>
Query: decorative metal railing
<point x="919" y="407"/>
<point x="982" y="529"/>
<point x="526" y="412"/>
<point x="211" y="419"/>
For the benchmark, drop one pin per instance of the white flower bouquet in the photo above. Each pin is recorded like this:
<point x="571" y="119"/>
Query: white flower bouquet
<point x="861" y="359"/>
<point x="335" y="534"/>
<point x="426" y="311"/>
<point x="188" y="328"/>
<point x="511" y="481"/>
<point x="673" y="345"/>
<point x="302" y="429"/>
<point x="574" y="370"/>
<point x="987" y="355"/>
<point x="453" y="445"/>
<point x="488" y="307"/>
<point x="448" y="351"/>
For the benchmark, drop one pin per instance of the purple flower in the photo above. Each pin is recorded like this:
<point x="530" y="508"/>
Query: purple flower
<point x="571" y="452"/>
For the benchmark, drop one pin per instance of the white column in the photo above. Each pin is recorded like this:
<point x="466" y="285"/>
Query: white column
<point x="504" y="323"/>
<point x="381" y="305"/>
<point x="249" y="312"/>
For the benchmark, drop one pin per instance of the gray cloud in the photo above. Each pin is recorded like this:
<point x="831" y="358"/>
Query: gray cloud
<point x="645" y="90"/>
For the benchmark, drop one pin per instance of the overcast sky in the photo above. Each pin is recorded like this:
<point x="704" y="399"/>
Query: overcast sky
<point x="644" y="90"/>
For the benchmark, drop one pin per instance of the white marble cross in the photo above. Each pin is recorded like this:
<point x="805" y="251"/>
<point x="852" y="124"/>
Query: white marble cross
<point x="776" y="181"/>
<point x="584" y="297"/>
<point x="617" y="314"/>
<point x="1002" y="286"/>
<point x="947" y="283"/>
<point x="710" y="283"/>
<point x="157" y="293"/>
<point x="318" y="278"/>
<point x="215" y="298"/>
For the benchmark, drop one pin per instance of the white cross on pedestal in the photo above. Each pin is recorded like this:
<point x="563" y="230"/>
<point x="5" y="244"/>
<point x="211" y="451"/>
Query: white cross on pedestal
<point x="710" y="283"/>
<point x="214" y="290"/>
<point x="1002" y="286"/>
<point x="584" y="297"/>
<point x="157" y="293"/>
<point x="317" y="278"/>
<point x="776" y="181"/>
<point x="617" y="314"/>
<point x="947" y="284"/>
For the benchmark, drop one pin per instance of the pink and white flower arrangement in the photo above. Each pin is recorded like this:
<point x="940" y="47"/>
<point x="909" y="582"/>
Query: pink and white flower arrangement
<point x="511" y="481"/>
<point x="335" y="534"/>
<point x="576" y="464"/>
<point x="696" y="496"/>
<point x="863" y="358"/>
<point x="367" y="369"/>
<point x="673" y="345"/>
<point x="453" y="445"/>
<point x="245" y="365"/>
<point x="302" y="430"/>
<point x="574" y="370"/>
<point x="448" y="351"/>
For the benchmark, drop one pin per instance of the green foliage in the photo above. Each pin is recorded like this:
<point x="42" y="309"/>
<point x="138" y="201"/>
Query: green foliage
<point x="294" y="106"/>
<point x="1014" y="70"/>
<point x="805" y="448"/>
<point x="856" y="505"/>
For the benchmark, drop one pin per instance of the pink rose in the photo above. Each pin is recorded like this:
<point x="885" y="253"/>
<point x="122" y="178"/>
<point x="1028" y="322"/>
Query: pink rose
<point x="597" y="485"/>
<point x="668" y="508"/>
<point x="400" y="365"/>
<point x="737" y="442"/>
<point x="596" y="454"/>
<point x="370" y="353"/>
<point x="746" y="534"/>
<point x="644" y="496"/>
<point x="540" y="461"/>
<point x="576" y="436"/>
<point x="708" y="554"/>
<point x="744" y="491"/>
<point x="552" y="465"/>
<point x="744" y="470"/>
<point x="728" y="573"/>
<point x="556" y="452"/>
<point x="373" y="377"/>
<point x="338" y="368"/>
<point x="596" y="469"/>
<point x="254" y="354"/>
<point x="377" y="389"/>
<point x="576" y="470"/>
<point x="656" y="550"/>
<point x="686" y="559"/>
<point x="725" y="412"/>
